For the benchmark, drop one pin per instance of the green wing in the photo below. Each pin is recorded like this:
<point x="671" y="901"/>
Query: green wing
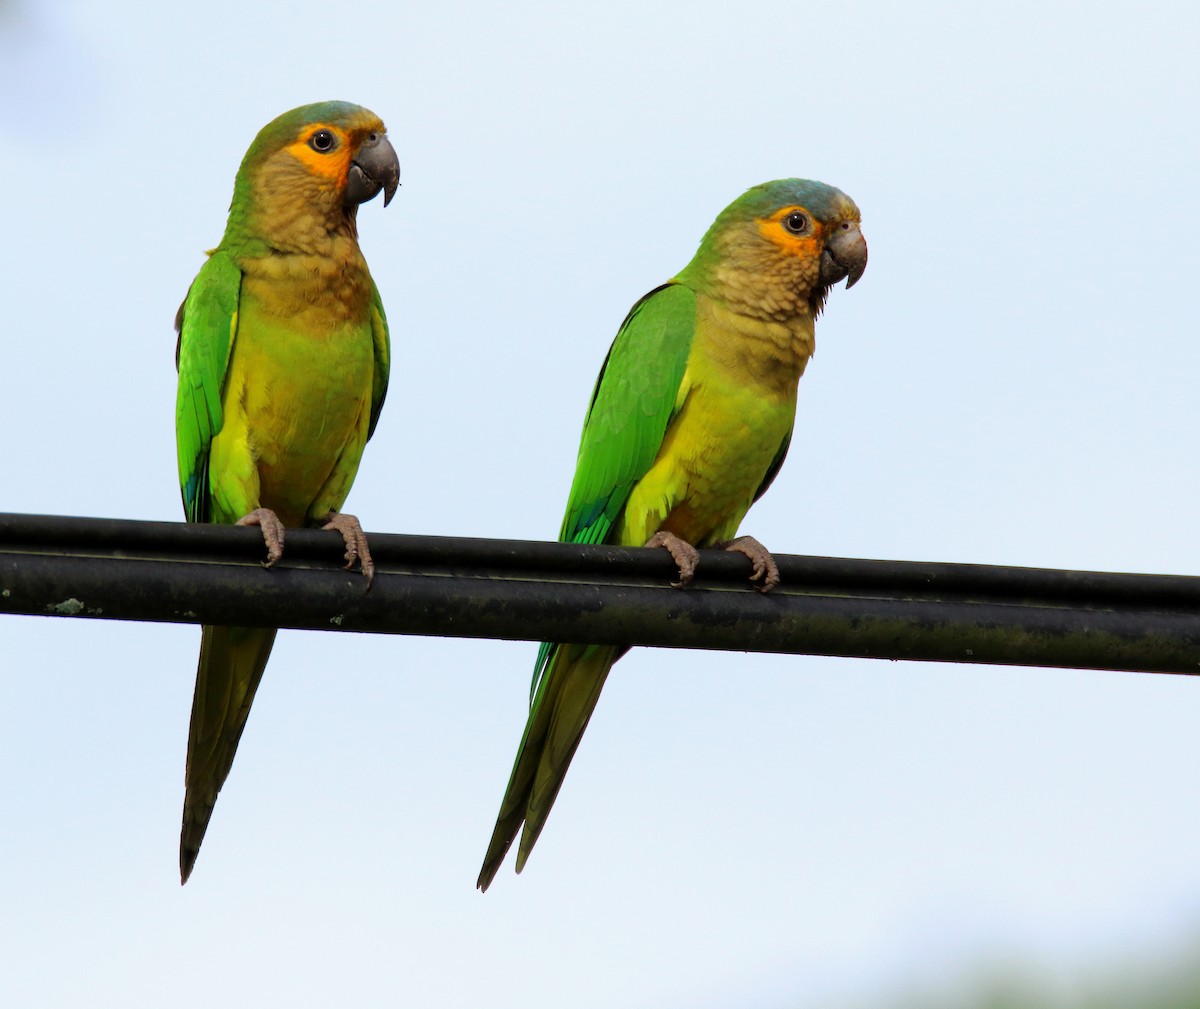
<point x="207" y="323"/>
<point x="632" y="404"/>
<point x="631" y="407"/>
<point x="383" y="357"/>
<point x="775" y="467"/>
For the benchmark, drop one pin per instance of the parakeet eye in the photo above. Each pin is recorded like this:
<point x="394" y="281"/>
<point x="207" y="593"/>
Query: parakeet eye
<point x="796" y="222"/>
<point x="322" y="141"/>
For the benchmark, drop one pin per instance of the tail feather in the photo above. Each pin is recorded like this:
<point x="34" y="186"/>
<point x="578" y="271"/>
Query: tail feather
<point x="232" y="660"/>
<point x="563" y="705"/>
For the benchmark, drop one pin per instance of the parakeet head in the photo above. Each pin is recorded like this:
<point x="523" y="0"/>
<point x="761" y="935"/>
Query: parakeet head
<point x="311" y="168"/>
<point x="775" y="252"/>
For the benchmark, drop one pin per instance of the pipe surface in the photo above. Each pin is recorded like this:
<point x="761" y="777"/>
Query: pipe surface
<point x="516" y="590"/>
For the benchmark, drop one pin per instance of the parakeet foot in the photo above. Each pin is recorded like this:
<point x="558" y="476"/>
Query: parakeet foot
<point x="356" y="543"/>
<point x="766" y="573"/>
<point x="272" y="530"/>
<point x="681" y="551"/>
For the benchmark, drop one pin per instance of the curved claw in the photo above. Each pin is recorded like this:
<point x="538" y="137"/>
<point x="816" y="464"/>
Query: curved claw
<point x="356" y="543"/>
<point x="682" y="552"/>
<point x="272" y="530"/>
<point x="766" y="572"/>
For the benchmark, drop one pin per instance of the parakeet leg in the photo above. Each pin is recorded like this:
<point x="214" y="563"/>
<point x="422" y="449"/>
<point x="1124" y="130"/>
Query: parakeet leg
<point x="356" y="543"/>
<point x="765" y="570"/>
<point x="681" y="551"/>
<point x="272" y="530"/>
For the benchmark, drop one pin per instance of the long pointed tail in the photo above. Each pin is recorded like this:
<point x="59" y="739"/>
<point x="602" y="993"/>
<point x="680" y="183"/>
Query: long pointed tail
<point x="232" y="660"/>
<point x="565" y="699"/>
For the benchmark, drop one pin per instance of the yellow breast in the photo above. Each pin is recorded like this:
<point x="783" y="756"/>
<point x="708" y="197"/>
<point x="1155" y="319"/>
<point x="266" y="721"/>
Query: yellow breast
<point x="735" y="407"/>
<point x="297" y="404"/>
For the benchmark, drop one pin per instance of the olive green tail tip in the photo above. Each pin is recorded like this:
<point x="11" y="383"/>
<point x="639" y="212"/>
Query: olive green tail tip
<point x="488" y="874"/>
<point x="187" y="859"/>
<point x="491" y="865"/>
<point x="189" y="849"/>
<point x="191" y="835"/>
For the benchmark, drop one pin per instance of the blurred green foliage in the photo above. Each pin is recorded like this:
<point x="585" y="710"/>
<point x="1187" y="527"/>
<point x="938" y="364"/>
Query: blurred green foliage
<point x="1160" y="980"/>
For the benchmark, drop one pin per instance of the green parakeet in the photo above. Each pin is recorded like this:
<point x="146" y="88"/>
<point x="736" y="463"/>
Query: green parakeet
<point x="688" y="424"/>
<point x="283" y="365"/>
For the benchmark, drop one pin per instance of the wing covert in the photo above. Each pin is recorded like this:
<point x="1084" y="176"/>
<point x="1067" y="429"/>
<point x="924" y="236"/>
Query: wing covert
<point x="633" y="402"/>
<point x="207" y="324"/>
<point x="383" y="357"/>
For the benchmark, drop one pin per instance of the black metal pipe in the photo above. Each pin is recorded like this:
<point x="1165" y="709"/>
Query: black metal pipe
<point x="517" y="590"/>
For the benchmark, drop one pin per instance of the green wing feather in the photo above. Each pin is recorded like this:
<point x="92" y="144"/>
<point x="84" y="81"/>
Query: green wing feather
<point x="231" y="659"/>
<point x="775" y="467"/>
<point x="383" y="357"/>
<point x="207" y="324"/>
<point x="631" y="407"/>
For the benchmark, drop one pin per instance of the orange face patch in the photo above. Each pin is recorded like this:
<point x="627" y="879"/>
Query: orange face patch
<point x="808" y="243"/>
<point x="333" y="163"/>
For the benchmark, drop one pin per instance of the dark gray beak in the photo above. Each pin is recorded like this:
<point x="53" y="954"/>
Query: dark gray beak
<point x="375" y="168"/>
<point x="845" y="255"/>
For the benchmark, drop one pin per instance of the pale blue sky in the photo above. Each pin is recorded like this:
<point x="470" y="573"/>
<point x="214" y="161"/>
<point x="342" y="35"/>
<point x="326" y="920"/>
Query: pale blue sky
<point x="1013" y="382"/>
